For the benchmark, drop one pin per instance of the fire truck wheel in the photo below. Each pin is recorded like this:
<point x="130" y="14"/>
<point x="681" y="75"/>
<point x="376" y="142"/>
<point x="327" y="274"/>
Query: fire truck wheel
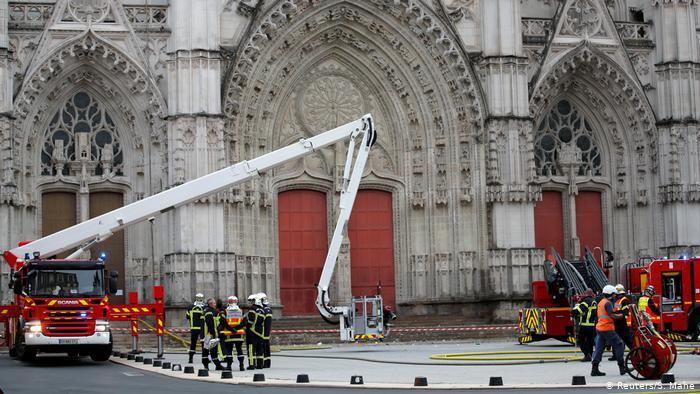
<point x="101" y="355"/>
<point x="25" y="353"/>
<point x="13" y="352"/>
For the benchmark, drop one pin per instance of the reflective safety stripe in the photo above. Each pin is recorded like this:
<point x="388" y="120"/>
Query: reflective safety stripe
<point x="624" y="309"/>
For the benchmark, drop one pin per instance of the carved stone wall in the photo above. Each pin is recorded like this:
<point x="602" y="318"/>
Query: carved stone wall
<point x="460" y="119"/>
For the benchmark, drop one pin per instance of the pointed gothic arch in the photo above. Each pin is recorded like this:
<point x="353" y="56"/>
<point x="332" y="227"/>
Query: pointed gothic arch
<point x="617" y="97"/>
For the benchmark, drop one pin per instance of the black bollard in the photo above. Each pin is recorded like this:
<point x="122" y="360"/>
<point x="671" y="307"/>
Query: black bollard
<point x="130" y="356"/>
<point x="203" y="372"/>
<point x="259" y="377"/>
<point x="189" y="369"/>
<point x="122" y="355"/>
<point x="668" y="378"/>
<point x="157" y="363"/>
<point x="226" y="375"/>
<point x="138" y="359"/>
<point x="420" y="381"/>
<point x="496" y="381"/>
<point x="357" y="379"/>
<point x="166" y="365"/>
<point x="148" y="361"/>
<point x="303" y="378"/>
<point x="578" y="380"/>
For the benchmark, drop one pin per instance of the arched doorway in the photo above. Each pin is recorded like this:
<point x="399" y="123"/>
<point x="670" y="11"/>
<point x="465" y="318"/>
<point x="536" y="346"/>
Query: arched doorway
<point x="81" y="146"/>
<point x="303" y="244"/>
<point x="569" y="163"/>
<point x="371" y="236"/>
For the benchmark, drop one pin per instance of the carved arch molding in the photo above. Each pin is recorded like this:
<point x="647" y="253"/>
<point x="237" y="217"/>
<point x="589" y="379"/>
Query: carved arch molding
<point x="307" y="66"/>
<point x="91" y="61"/>
<point x="623" y="111"/>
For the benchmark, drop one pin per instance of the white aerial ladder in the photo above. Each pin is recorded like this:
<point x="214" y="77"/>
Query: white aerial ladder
<point x="87" y="233"/>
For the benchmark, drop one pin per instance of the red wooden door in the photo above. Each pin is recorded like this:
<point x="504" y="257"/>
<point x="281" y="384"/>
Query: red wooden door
<point x="372" y="245"/>
<point x="589" y="220"/>
<point x="549" y="223"/>
<point x="303" y="240"/>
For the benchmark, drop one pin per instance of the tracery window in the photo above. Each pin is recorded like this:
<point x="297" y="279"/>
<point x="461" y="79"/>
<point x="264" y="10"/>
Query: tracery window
<point x="81" y="135"/>
<point x="565" y="129"/>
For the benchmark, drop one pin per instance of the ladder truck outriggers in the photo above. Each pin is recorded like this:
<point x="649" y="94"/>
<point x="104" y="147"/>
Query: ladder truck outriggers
<point x="61" y="305"/>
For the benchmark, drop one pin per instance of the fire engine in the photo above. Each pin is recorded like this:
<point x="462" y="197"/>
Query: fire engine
<point x="553" y="298"/>
<point x="62" y="305"/>
<point x="677" y="284"/>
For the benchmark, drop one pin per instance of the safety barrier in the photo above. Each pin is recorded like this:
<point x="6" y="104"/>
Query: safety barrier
<point x="133" y="311"/>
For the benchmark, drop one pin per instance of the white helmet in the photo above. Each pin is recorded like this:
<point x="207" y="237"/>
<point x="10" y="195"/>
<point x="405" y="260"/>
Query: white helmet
<point x="258" y="298"/>
<point x="263" y="299"/>
<point x="232" y="300"/>
<point x="609" y="290"/>
<point x="199" y="299"/>
<point x="619" y="289"/>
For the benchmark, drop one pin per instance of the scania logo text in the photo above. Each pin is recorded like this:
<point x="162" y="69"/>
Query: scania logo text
<point x="67" y="302"/>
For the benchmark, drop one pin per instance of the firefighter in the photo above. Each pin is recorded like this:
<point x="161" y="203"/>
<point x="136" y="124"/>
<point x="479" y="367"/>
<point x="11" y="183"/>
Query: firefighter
<point x="253" y="323"/>
<point x="194" y="317"/>
<point x="605" y="328"/>
<point x="267" y="327"/>
<point x="210" y="347"/>
<point x="234" y="333"/>
<point x="585" y="314"/>
<point x="622" y="326"/>
<point x="646" y="304"/>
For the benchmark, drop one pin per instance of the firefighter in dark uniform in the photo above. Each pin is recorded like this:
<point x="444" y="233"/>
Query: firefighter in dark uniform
<point x="254" y="322"/>
<point x="585" y="314"/>
<point x="210" y="347"/>
<point x="267" y="328"/>
<point x="194" y="317"/>
<point x="233" y="333"/>
<point x="622" y="326"/>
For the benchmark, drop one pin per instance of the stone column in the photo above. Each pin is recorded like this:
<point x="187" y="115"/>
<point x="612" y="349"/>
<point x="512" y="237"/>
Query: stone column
<point x="678" y="75"/>
<point x="8" y="186"/>
<point x="510" y="166"/>
<point x="195" y="147"/>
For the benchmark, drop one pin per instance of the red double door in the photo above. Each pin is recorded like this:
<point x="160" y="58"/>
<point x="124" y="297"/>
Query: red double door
<point x="303" y="243"/>
<point x="549" y="221"/>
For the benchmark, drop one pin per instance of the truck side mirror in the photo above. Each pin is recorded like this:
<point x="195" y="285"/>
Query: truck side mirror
<point x="609" y="256"/>
<point x="113" y="275"/>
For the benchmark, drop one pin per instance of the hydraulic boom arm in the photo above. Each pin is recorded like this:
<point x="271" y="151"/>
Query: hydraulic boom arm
<point x="101" y="227"/>
<point x="351" y="181"/>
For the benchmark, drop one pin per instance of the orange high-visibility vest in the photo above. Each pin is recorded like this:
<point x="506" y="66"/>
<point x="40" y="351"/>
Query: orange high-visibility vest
<point x="605" y="322"/>
<point x="624" y="309"/>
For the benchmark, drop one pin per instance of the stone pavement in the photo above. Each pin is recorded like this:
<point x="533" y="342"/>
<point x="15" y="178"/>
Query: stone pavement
<point x="397" y="364"/>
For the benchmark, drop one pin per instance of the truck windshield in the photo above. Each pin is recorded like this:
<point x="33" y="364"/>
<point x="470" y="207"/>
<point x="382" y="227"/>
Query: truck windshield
<point x="66" y="283"/>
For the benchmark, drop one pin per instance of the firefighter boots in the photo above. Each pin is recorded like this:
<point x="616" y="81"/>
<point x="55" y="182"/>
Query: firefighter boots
<point x="596" y="372"/>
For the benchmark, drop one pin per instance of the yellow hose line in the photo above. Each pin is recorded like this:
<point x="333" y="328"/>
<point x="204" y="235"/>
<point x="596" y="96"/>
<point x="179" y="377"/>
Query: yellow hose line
<point x="515" y="355"/>
<point x="170" y="334"/>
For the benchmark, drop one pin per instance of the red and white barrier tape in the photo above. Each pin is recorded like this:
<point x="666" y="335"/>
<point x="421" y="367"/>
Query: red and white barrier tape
<point x="329" y="331"/>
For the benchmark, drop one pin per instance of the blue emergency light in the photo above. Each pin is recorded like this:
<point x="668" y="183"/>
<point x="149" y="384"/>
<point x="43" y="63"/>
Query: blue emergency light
<point x="103" y="256"/>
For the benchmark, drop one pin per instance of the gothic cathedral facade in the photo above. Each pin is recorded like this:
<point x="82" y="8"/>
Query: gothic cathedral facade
<point x="506" y="127"/>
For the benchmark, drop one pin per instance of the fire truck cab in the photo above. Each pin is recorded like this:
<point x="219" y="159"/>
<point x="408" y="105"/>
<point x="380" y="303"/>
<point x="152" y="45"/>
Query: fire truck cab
<point x="62" y="309"/>
<point x="677" y="287"/>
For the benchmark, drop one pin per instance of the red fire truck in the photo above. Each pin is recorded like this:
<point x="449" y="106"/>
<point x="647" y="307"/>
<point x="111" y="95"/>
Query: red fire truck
<point x="550" y="313"/>
<point x="677" y="284"/>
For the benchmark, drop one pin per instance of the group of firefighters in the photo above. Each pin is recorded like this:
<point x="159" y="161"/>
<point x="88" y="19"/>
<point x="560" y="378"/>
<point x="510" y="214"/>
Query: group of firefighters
<point x="606" y="321"/>
<point x="220" y="330"/>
